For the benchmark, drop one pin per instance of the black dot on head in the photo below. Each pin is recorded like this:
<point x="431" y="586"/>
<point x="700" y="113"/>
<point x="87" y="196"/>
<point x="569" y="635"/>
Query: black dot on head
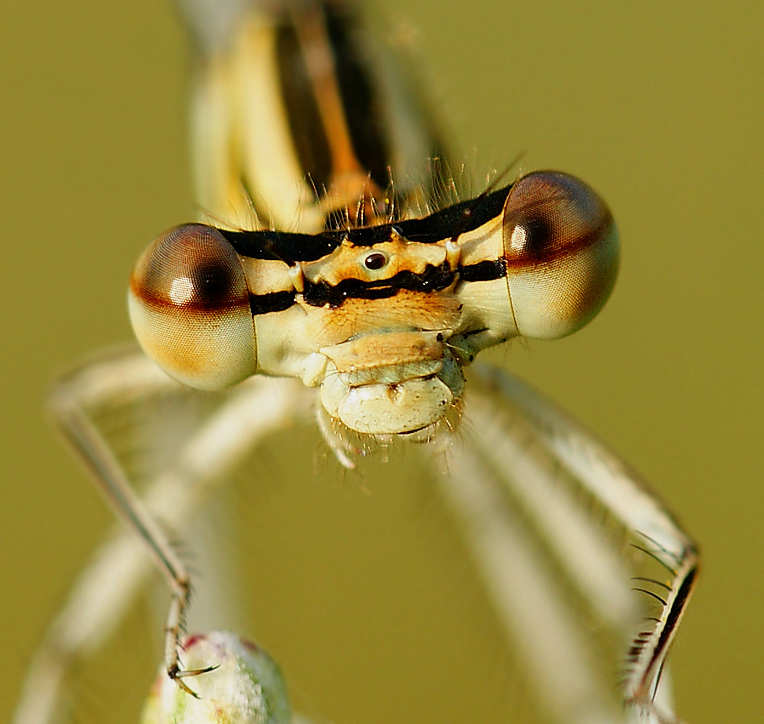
<point x="375" y="260"/>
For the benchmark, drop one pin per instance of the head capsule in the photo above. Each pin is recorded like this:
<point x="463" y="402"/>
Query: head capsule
<point x="189" y="307"/>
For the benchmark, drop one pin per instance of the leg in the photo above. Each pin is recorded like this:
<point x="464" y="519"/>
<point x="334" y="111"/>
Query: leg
<point x="544" y="463"/>
<point x="199" y="462"/>
<point x="487" y="476"/>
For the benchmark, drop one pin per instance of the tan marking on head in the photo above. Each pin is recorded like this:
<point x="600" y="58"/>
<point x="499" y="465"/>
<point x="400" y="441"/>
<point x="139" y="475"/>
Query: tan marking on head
<point x="406" y="311"/>
<point x="347" y="261"/>
<point x="385" y="350"/>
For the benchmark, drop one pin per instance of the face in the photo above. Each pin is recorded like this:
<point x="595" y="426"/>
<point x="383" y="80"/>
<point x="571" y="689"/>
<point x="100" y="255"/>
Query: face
<point x="382" y="318"/>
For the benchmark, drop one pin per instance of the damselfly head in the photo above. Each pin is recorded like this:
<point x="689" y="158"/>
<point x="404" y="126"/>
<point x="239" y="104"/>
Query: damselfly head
<point x="382" y="318"/>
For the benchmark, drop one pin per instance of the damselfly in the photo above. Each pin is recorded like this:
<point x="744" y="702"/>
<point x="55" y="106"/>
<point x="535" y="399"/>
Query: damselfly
<point x="339" y="257"/>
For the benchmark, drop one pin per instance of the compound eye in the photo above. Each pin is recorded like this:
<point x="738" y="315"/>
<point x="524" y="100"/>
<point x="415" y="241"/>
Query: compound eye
<point x="189" y="306"/>
<point x="561" y="252"/>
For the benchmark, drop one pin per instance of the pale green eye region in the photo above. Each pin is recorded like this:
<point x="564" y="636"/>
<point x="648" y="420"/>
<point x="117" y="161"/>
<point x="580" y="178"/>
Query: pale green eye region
<point x="189" y="306"/>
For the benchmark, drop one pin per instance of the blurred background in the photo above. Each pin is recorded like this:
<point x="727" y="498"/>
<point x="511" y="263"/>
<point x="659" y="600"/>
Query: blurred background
<point x="658" y="105"/>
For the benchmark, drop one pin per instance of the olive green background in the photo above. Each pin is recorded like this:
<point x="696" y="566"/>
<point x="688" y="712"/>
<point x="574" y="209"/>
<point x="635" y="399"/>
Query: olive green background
<point x="659" y="105"/>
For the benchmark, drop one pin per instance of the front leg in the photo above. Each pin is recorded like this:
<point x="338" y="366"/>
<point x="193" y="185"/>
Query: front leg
<point x="645" y="520"/>
<point x="69" y="405"/>
<point x="216" y="443"/>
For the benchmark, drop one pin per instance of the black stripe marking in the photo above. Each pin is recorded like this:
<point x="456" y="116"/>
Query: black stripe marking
<point x="291" y="247"/>
<point x="433" y="279"/>
<point x="677" y="609"/>
<point x="462" y="217"/>
<point x="306" y="130"/>
<point x="362" y="107"/>
<point x="281" y="245"/>
<point x="272" y="302"/>
<point x="484" y="271"/>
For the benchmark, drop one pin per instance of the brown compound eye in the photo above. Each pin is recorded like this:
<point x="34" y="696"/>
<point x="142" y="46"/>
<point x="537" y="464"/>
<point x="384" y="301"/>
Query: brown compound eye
<point x="189" y="306"/>
<point x="561" y="252"/>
